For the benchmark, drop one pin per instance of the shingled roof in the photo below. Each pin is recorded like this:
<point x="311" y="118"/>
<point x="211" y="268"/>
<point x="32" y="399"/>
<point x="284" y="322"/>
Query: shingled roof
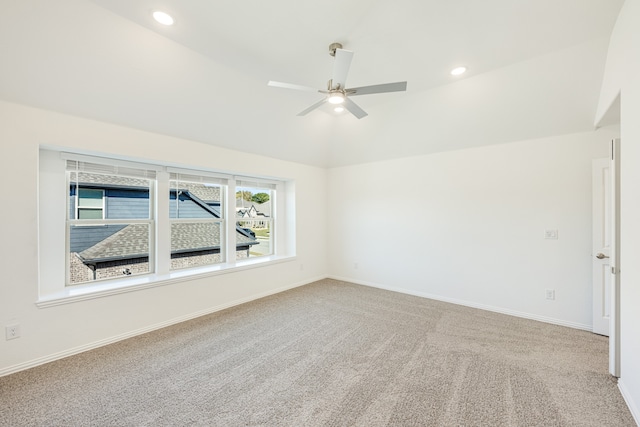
<point x="133" y="241"/>
<point x="207" y="193"/>
<point x="130" y="242"/>
<point x="86" y="178"/>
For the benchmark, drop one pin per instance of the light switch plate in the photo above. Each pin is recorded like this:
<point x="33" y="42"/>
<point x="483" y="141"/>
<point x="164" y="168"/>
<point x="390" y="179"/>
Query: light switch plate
<point x="551" y="234"/>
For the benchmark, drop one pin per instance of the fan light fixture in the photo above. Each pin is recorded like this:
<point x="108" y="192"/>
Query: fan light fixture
<point x="336" y="97"/>
<point x="163" y="18"/>
<point x="458" y="71"/>
<point x="337" y="93"/>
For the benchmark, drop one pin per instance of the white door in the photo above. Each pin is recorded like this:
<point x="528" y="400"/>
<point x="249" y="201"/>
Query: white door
<point x="606" y="252"/>
<point x="602" y="210"/>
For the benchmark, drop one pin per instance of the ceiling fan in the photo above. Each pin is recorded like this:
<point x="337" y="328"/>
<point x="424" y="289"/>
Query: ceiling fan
<point x="336" y="91"/>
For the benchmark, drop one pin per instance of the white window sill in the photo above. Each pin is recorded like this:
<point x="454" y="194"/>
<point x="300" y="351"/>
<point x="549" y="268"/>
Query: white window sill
<point x="71" y="294"/>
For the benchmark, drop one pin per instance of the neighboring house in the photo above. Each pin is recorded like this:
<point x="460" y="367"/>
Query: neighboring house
<point x="111" y="250"/>
<point x="254" y="212"/>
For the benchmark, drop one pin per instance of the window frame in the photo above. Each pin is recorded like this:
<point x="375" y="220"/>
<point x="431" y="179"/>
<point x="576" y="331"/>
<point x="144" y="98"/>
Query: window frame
<point x="103" y="171"/>
<point x="265" y="186"/>
<point x="175" y="177"/>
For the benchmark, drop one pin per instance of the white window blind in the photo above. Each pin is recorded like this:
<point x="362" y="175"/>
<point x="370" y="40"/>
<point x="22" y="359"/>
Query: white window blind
<point x="196" y="176"/>
<point x="254" y="183"/>
<point x="110" y="167"/>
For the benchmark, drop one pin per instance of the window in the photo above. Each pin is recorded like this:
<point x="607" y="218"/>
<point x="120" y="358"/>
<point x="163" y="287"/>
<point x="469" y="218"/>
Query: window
<point x="255" y="214"/>
<point x="111" y="225"/>
<point x="197" y="216"/>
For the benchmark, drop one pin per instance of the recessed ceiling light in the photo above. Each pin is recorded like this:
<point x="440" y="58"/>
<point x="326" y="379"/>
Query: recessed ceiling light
<point x="163" y="17"/>
<point x="458" y="70"/>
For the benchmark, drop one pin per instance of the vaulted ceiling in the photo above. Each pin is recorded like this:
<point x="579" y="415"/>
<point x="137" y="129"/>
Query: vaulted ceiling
<point x="534" y="70"/>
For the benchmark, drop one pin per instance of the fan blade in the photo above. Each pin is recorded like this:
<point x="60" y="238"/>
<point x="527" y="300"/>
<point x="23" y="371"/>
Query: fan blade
<point x="386" y="87"/>
<point x="341" y="67"/>
<point x="291" y="86"/>
<point x="354" y="109"/>
<point x="313" y="107"/>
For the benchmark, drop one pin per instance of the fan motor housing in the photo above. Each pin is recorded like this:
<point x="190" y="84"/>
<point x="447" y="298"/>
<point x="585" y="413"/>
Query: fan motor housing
<point x="333" y="47"/>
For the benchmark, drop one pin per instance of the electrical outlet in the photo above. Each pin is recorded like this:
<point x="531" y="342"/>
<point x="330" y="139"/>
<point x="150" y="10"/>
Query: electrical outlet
<point x="355" y="265"/>
<point x="550" y="294"/>
<point x="551" y="234"/>
<point x="12" y="331"/>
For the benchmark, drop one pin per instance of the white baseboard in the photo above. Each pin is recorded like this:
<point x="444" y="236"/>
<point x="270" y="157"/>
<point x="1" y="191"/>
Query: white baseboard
<point x="501" y="310"/>
<point x="630" y="403"/>
<point x="100" y="343"/>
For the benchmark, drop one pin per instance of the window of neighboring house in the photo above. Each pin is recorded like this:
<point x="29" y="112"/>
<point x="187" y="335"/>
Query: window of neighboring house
<point x="111" y="239"/>
<point x="197" y="213"/>
<point x="90" y="204"/>
<point x="255" y="201"/>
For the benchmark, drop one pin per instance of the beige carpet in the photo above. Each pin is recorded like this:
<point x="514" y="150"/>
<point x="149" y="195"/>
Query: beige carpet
<point x="330" y="354"/>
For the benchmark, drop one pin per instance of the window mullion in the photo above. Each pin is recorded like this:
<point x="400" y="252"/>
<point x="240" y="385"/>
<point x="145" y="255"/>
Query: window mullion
<point x="163" y="224"/>
<point x="230" y="241"/>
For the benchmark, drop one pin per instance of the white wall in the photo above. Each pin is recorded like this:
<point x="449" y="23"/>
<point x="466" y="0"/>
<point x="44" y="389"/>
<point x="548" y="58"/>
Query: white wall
<point x="622" y="76"/>
<point x="55" y="331"/>
<point x="468" y="226"/>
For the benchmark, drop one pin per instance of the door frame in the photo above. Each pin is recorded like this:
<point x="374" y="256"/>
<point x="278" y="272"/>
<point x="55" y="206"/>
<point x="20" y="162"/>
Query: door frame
<point x="610" y="201"/>
<point x="614" y="326"/>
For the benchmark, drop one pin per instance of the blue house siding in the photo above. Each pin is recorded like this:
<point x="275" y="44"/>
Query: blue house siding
<point x="72" y="204"/>
<point x="126" y="204"/>
<point x="118" y="203"/>
<point x="188" y="208"/>
<point x="134" y="204"/>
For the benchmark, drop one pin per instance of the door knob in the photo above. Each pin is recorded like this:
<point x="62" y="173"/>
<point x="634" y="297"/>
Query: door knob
<point x="600" y="255"/>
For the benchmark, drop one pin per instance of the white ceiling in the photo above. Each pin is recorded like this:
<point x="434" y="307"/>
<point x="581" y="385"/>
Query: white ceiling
<point x="535" y="68"/>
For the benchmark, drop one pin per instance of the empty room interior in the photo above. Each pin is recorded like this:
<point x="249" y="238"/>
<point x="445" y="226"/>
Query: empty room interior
<point x="320" y="213"/>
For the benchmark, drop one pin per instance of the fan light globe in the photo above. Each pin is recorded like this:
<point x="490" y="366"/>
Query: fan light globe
<point x="339" y="109"/>
<point x="336" y="98"/>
